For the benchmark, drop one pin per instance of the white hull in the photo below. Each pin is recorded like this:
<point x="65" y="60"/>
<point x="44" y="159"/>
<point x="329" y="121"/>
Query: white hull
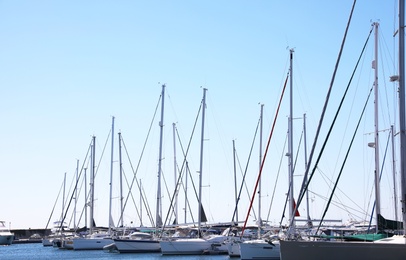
<point x="391" y="248"/>
<point x="91" y="243"/>
<point x="259" y="249"/>
<point x="66" y="243"/>
<point x="47" y="241"/>
<point x="6" y="239"/>
<point x="137" y="246"/>
<point x="194" y="246"/>
<point x="233" y="248"/>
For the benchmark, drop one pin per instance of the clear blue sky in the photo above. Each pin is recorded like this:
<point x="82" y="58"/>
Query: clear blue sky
<point x="67" y="67"/>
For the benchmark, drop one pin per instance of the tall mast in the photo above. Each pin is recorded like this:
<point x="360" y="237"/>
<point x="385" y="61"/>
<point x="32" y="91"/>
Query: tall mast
<point x="377" y="188"/>
<point x="186" y="199"/>
<point x="158" y="218"/>
<point x="395" y="192"/>
<point x="111" y="175"/>
<point x="260" y="163"/>
<point x="201" y="160"/>
<point x="309" y="222"/>
<point x="402" y="124"/>
<point x="63" y="197"/>
<point x="175" y="171"/>
<point x="235" y="185"/>
<point x="76" y="194"/>
<point x="121" y="179"/>
<point x="290" y="143"/>
<point x="92" y="175"/>
<point x="85" y="197"/>
<point x="141" y="203"/>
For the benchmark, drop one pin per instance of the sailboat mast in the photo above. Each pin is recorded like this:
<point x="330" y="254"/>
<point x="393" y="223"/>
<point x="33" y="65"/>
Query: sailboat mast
<point x="235" y="184"/>
<point x="92" y="175"/>
<point x="121" y="179"/>
<point x="158" y="218"/>
<point x="290" y="144"/>
<point x="85" y="177"/>
<point x="260" y="163"/>
<point x="63" y="197"/>
<point x="309" y="221"/>
<point x="377" y="188"/>
<point x="186" y="199"/>
<point x="141" y="203"/>
<point x="402" y="124"/>
<point x="395" y="192"/>
<point x="201" y="160"/>
<point x="111" y="176"/>
<point x="175" y="171"/>
<point x="76" y="195"/>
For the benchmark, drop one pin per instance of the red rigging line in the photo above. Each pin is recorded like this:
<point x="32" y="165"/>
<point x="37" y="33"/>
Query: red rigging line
<point x="263" y="160"/>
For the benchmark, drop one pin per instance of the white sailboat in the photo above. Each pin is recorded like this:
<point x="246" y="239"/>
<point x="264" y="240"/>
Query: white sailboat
<point x="97" y="238"/>
<point x="201" y="245"/>
<point x="235" y="244"/>
<point x="139" y="242"/>
<point x="262" y="248"/>
<point x="387" y="248"/>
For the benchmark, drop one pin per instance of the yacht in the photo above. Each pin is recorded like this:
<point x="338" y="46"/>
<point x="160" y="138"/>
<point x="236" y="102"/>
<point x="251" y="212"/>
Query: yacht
<point x="6" y="237"/>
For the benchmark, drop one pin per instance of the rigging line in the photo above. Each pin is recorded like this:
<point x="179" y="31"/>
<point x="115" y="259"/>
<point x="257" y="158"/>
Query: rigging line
<point x="56" y="201"/>
<point x="266" y="152"/>
<point x="297" y="152"/>
<point x="171" y="209"/>
<point x="186" y="198"/>
<point x="168" y="193"/>
<point x="341" y="206"/>
<point x="304" y="183"/>
<point x="245" y="183"/>
<point x="245" y="172"/>
<point x="213" y="112"/>
<point x="142" y="152"/>
<point x="345" y="159"/>
<point x="276" y="181"/>
<point x="328" y="181"/>
<point x="380" y="176"/>
<point x="87" y="196"/>
<point x="290" y="184"/>
<point x="384" y="82"/>
<point x="146" y="204"/>
<point x="183" y="164"/>
<point x="130" y="188"/>
<point x="101" y="156"/>
<point x="73" y="194"/>
<point x="132" y="197"/>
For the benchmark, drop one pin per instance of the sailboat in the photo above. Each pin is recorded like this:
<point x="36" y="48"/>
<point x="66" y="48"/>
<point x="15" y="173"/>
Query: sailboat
<point x="262" y="248"/>
<point x="245" y="243"/>
<point x="139" y="242"/>
<point x="200" y="245"/>
<point x="60" y="229"/>
<point x="96" y="240"/>
<point x="387" y="248"/>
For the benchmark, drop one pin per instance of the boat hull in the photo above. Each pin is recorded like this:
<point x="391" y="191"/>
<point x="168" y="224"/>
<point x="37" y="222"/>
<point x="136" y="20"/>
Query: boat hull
<point x="233" y="248"/>
<point x="341" y="250"/>
<point x="6" y="239"/>
<point x="47" y="241"/>
<point x="137" y="246"/>
<point x="91" y="243"/>
<point x="194" y="246"/>
<point x="259" y="249"/>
